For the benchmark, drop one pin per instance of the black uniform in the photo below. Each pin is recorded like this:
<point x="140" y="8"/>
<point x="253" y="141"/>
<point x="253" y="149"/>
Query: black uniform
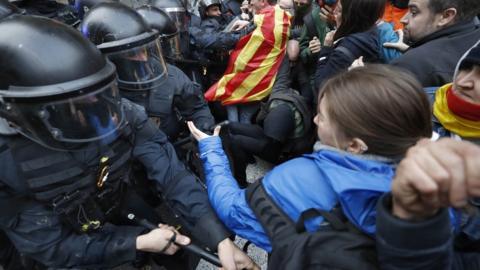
<point x="67" y="147"/>
<point x="48" y="197"/>
<point x="178" y="97"/>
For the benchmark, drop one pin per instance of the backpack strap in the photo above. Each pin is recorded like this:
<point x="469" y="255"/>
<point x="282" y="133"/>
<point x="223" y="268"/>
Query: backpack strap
<point x="274" y="221"/>
<point x="346" y="51"/>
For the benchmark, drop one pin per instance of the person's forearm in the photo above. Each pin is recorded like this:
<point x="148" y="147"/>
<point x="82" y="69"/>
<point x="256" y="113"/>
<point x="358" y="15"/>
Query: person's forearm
<point x="221" y="185"/>
<point x="403" y="244"/>
<point x="57" y="246"/>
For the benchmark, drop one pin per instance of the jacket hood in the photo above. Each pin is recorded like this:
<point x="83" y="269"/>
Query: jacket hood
<point x="467" y="54"/>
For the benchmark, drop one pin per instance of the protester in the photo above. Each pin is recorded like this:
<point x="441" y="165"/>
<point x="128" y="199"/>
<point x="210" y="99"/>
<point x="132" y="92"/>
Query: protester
<point x="439" y="32"/>
<point x="413" y="225"/>
<point x="363" y="137"/>
<point x="356" y="36"/>
<point x="312" y="36"/>
<point x="283" y="128"/>
<point x="253" y="63"/>
<point x="456" y="106"/>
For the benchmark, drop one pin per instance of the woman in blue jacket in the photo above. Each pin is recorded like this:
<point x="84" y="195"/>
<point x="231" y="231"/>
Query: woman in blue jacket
<point x="356" y="35"/>
<point x="367" y="119"/>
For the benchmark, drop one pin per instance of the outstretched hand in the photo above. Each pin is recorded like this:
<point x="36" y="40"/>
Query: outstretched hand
<point x="200" y="135"/>
<point x="239" y="25"/>
<point x="400" y="45"/>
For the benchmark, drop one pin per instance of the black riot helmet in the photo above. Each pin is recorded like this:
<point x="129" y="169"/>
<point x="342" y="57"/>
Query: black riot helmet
<point x="205" y="4"/>
<point x="50" y="9"/>
<point x="56" y="88"/>
<point x="159" y="20"/>
<point x="232" y="7"/>
<point x="83" y="6"/>
<point x="169" y="37"/>
<point x="7" y="9"/>
<point x="175" y="9"/>
<point x="127" y="40"/>
<point x="175" y="47"/>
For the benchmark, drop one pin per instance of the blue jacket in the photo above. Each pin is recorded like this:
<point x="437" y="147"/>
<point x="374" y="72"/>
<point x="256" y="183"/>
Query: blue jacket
<point x="321" y="180"/>
<point x="387" y="34"/>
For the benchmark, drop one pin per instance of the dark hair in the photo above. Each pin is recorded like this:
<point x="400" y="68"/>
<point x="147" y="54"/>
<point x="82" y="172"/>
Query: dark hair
<point x="382" y="105"/>
<point x="466" y="9"/>
<point x="359" y="16"/>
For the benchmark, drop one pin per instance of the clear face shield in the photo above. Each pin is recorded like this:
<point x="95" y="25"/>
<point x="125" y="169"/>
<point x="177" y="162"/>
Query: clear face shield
<point x="177" y="46"/>
<point x="86" y="118"/>
<point x="65" y="124"/>
<point x="140" y="68"/>
<point x="178" y="16"/>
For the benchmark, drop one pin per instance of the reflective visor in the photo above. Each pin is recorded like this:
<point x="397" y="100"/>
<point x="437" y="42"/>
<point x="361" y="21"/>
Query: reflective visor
<point x="140" y="68"/>
<point x="179" y="16"/>
<point x="90" y="117"/>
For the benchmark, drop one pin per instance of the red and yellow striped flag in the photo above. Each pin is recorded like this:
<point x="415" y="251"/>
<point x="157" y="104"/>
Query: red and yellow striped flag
<point x="254" y="62"/>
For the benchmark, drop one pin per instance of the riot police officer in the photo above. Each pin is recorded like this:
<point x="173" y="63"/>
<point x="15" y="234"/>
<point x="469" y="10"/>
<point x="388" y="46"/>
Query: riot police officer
<point x="167" y="94"/>
<point x="177" y="46"/>
<point x="67" y="152"/>
<point x="213" y="40"/>
<point x="232" y="7"/>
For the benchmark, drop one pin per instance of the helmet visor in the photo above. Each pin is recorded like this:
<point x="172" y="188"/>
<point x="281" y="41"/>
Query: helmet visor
<point x="140" y="68"/>
<point x="90" y="117"/>
<point x="179" y="16"/>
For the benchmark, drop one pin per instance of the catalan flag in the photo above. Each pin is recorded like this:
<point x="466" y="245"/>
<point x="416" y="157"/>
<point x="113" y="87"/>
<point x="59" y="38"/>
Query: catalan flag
<point x="254" y="62"/>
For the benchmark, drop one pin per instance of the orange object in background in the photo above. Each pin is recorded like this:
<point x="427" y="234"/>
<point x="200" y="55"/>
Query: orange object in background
<point x="394" y="15"/>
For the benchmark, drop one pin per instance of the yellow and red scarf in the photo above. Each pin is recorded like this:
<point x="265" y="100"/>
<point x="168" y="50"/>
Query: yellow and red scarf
<point x="456" y="114"/>
<point x="254" y="62"/>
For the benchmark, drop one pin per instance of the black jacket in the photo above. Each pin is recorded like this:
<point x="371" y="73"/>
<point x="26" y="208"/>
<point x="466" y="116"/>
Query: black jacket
<point x="423" y="245"/>
<point x="433" y="58"/>
<point x="338" y="58"/>
<point x="177" y="96"/>
<point x="39" y="233"/>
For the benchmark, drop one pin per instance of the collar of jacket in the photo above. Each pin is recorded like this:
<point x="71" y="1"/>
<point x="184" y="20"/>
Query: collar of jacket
<point x="318" y="146"/>
<point x="459" y="27"/>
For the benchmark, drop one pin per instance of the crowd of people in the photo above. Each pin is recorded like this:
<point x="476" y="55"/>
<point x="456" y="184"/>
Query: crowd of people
<point x="126" y="129"/>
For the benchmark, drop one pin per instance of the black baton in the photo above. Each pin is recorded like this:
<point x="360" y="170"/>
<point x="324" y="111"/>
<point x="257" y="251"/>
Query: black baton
<point x="190" y="247"/>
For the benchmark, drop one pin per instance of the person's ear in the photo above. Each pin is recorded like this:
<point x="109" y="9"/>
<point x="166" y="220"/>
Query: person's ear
<point x="447" y="18"/>
<point x="357" y="146"/>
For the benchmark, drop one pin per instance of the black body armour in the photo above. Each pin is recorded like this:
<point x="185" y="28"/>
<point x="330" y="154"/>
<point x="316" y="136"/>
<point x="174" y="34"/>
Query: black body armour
<point x="158" y="104"/>
<point x="83" y="187"/>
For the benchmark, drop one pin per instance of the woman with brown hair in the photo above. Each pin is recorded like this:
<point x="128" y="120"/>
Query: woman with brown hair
<point x="356" y="35"/>
<point x="367" y="119"/>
